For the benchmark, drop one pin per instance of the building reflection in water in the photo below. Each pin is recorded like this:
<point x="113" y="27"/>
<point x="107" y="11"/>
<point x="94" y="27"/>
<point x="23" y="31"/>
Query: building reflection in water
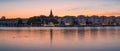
<point x="81" y="33"/>
<point x="70" y="34"/>
<point x="51" y="36"/>
<point x="102" y="33"/>
<point x="94" y="33"/>
<point x="58" y="38"/>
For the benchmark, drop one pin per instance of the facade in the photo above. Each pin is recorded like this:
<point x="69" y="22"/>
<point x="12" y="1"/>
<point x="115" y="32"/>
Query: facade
<point x="68" y="20"/>
<point x="117" y="20"/>
<point x="81" y="20"/>
<point x="52" y="21"/>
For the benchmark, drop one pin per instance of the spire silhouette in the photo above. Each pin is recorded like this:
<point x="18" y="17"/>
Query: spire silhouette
<point x="51" y="14"/>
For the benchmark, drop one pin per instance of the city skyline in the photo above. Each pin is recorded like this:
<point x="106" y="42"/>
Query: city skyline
<point x="26" y="9"/>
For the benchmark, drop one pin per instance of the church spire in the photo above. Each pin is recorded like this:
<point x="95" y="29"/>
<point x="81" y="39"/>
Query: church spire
<point x="51" y="14"/>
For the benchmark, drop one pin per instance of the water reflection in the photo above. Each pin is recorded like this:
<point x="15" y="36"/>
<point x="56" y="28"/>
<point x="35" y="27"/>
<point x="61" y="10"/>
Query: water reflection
<point x="69" y="34"/>
<point x="51" y="36"/>
<point x="81" y="33"/>
<point x="52" y="39"/>
<point x="94" y="33"/>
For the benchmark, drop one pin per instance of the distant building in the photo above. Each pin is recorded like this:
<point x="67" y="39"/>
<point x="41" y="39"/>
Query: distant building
<point x="2" y="21"/>
<point x="51" y="14"/>
<point x="3" y="18"/>
<point x="68" y="20"/>
<point x="52" y="21"/>
<point x="24" y="21"/>
<point x="102" y="20"/>
<point x="81" y="20"/>
<point x="112" y="20"/>
<point x="65" y="21"/>
<point x="117" y="20"/>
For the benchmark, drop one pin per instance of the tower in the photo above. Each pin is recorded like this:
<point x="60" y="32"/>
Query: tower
<point x="51" y="14"/>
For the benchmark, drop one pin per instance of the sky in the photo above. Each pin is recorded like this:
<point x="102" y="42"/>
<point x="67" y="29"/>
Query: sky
<point x="29" y="8"/>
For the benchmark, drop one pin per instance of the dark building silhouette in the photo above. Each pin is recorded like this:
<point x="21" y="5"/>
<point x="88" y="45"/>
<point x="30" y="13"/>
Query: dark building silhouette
<point x="51" y="14"/>
<point x="70" y="21"/>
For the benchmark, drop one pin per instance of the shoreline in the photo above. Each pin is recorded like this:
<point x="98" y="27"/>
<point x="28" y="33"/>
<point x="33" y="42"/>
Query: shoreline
<point x="59" y="26"/>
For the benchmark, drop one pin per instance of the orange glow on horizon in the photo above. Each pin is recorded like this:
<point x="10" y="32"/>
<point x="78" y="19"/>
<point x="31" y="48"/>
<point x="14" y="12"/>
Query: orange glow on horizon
<point x="28" y="14"/>
<point x="26" y="9"/>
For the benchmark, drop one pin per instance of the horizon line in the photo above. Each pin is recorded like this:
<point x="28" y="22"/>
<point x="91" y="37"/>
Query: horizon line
<point x="60" y="16"/>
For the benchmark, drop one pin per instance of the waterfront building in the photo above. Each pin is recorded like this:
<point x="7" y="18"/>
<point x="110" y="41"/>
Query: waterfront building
<point x="117" y="20"/>
<point x="68" y="20"/>
<point x="81" y="20"/>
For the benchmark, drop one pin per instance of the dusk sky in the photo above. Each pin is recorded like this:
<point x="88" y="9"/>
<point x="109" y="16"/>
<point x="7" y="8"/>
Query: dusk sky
<point x="28" y="8"/>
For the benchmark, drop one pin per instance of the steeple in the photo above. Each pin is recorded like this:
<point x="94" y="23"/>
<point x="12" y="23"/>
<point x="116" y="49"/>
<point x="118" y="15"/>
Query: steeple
<point x="51" y="14"/>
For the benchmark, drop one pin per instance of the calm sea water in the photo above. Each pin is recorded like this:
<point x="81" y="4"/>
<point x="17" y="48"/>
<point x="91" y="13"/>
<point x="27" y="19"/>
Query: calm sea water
<point x="60" y="39"/>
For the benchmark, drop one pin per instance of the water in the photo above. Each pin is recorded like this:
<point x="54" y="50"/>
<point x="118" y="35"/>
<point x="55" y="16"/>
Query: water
<point x="60" y="39"/>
